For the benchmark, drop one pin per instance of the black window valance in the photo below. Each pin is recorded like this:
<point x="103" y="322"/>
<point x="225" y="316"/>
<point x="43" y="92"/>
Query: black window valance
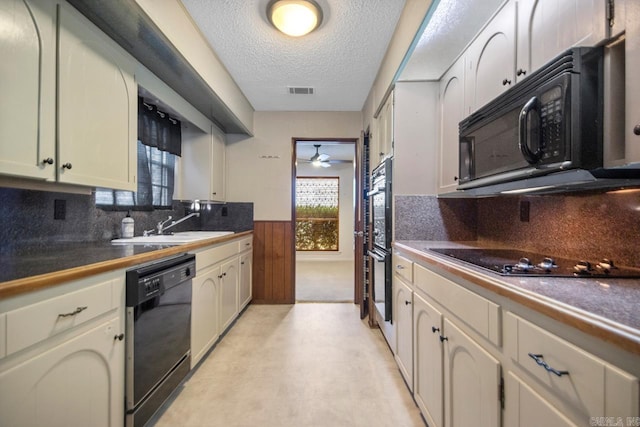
<point x="157" y="129"/>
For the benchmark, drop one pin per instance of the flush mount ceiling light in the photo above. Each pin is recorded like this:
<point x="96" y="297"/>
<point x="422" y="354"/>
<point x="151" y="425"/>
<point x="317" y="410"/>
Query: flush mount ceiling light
<point x="294" y="17"/>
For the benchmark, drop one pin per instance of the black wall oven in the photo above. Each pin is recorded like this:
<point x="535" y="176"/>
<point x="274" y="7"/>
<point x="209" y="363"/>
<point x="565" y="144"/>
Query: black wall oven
<point x="380" y="253"/>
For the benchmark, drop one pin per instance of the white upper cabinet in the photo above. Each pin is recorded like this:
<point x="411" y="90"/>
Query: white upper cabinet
<point x="490" y="60"/>
<point x="548" y="27"/>
<point x="94" y="99"/>
<point x="27" y="84"/>
<point x="383" y="146"/>
<point x="97" y="107"/>
<point x="451" y="113"/>
<point x="203" y="165"/>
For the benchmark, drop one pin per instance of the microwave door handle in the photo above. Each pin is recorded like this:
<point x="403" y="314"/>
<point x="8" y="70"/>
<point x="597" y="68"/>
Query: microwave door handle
<point x="523" y="132"/>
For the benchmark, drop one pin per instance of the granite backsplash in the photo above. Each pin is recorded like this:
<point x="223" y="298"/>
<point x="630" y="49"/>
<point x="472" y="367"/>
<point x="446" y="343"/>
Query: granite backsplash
<point x="580" y="225"/>
<point x="28" y="218"/>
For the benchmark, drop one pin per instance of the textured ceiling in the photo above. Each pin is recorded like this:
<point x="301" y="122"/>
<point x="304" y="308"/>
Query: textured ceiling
<point x="451" y="27"/>
<point x="339" y="60"/>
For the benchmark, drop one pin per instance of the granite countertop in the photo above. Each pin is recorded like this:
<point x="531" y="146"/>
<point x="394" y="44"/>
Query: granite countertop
<point x="610" y="307"/>
<point x="28" y="268"/>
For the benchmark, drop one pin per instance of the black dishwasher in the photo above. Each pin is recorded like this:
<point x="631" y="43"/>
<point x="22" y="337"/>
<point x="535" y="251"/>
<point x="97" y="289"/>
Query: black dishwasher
<point x="158" y="334"/>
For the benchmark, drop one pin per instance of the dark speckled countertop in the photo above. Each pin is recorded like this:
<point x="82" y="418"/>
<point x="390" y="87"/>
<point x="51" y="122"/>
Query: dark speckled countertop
<point x="30" y="268"/>
<point x="609" y="304"/>
<point x="28" y="262"/>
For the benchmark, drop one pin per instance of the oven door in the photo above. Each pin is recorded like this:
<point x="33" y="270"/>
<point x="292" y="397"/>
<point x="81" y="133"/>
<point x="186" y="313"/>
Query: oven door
<point x="381" y="289"/>
<point x="379" y="217"/>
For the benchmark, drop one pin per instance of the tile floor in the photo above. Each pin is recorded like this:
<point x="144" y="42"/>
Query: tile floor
<point x="296" y="365"/>
<point x="327" y="281"/>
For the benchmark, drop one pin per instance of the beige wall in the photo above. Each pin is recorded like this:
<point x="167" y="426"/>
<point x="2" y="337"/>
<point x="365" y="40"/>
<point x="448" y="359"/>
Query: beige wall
<point x="345" y="172"/>
<point x="267" y="181"/>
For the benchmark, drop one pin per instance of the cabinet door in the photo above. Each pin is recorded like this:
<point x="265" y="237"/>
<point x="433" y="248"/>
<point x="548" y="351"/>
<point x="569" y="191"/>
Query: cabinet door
<point x="218" y="162"/>
<point x="451" y="113"/>
<point x="526" y="408"/>
<point x="203" y="165"/>
<point x="204" y="313"/>
<point x="79" y="382"/>
<point x="471" y="379"/>
<point x="27" y="84"/>
<point x="403" y="321"/>
<point x="427" y="359"/>
<point x="246" y="265"/>
<point x="386" y="149"/>
<point x="548" y="27"/>
<point x="228" y="293"/>
<point x="97" y="107"/>
<point x="490" y="60"/>
<point x="632" y="80"/>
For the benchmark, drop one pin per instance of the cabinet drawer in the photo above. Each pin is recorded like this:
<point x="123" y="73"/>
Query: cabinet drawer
<point x="208" y="257"/>
<point x="403" y="267"/>
<point x="570" y="374"/>
<point x="245" y="244"/>
<point x="37" y="322"/>
<point x="480" y="314"/>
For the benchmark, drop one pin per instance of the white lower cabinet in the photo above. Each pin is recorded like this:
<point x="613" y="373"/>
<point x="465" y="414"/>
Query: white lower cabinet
<point x="219" y="292"/>
<point x="526" y="408"/>
<point x="471" y="381"/>
<point x="580" y="384"/>
<point x="205" y="328"/>
<point x="79" y="382"/>
<point x="475" y="362"/>
<point x="456" y="381"/>
<point x="229" y="292"/>
<point x="70" y="368"/>
<point x="428" y="361"/>
<point x="246" y="271"/>
<point x="403" y="318"/>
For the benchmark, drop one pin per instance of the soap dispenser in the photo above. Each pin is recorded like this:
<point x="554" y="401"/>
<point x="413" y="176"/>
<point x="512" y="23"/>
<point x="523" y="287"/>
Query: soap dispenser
<point x="127" y="226"/>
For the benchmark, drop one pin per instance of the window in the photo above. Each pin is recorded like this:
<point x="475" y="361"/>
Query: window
<point x="155" y="183"/>
<point x="317" y="210"/>
<point x="159" y="141"/>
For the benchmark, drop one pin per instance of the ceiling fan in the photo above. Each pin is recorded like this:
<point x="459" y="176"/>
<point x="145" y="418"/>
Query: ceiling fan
<point x="322" y="159"/>
<point x="318" y="159"/>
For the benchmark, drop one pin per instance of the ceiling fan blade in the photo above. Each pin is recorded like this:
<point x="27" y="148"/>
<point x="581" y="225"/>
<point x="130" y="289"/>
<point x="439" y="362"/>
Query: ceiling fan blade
<point x="325" y="164"/>
<point x="323" y="157"/>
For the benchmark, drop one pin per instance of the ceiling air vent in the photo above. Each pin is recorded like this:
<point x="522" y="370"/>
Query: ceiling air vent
<point x="300" y="90"/>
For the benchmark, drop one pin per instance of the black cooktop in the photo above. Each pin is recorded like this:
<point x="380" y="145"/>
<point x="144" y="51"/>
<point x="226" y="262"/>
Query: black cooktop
<point x="514" y="262"/>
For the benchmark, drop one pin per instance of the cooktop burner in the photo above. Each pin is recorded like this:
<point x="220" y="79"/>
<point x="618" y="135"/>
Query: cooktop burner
<point x="513" y="262"/>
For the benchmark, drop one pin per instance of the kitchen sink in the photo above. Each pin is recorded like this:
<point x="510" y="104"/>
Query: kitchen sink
<point x="173" y="239"/>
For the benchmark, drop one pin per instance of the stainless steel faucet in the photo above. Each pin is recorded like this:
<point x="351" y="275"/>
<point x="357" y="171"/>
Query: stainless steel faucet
<point x="160" y="228"/>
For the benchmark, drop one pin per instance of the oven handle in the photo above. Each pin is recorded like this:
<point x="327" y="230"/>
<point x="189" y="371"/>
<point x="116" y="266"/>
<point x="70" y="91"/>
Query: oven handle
<point x="374" y="192"/>
<point x="376" y="256"/>
<point x="530" y="156"/>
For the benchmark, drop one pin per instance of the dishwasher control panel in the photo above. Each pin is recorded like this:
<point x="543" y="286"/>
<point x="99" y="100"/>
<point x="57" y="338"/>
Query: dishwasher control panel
<point x="150" y="280"/>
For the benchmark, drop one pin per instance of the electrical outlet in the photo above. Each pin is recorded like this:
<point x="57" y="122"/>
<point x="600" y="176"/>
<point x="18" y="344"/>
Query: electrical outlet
<point x="524" y="210"/>
<point x="224" y="211"/>
<point x="59" y="209"/>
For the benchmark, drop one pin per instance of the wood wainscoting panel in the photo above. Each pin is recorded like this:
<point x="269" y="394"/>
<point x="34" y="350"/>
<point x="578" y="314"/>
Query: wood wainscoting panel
<point x="273" y="262"/>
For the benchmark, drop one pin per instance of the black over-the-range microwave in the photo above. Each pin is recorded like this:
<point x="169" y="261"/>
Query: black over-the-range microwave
<point x="552" y="121"/>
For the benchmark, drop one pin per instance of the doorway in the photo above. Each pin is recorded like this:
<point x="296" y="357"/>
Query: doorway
<point x="324" y="199"/>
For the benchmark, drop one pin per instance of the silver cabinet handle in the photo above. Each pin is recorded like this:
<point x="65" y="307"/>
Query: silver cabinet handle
<point x="538" y="359"/>
<point x="400" y="267"/>
<point x="74" y="312"/>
